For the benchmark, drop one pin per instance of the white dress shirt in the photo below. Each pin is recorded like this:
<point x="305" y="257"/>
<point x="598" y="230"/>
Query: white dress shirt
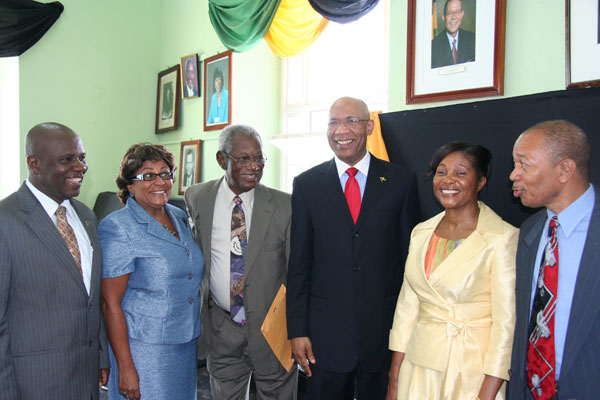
<point x="220" y="250"/>
<point x="361" y="176"/>
<point x="85" y="246"/>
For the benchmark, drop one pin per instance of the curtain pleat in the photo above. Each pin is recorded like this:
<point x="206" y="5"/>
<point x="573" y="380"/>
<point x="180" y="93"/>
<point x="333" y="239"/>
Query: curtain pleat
<point x="295" y="26"/>
<point x="375" y="143"/>
<point x="23" y="23"/>
<point x="240" y="24"/>
<point x="343" y="11"/>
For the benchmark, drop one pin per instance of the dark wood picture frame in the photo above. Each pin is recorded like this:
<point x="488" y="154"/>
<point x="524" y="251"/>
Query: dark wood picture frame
<point x="185" y="63"/>
<point x="215" y="66"/>
<point x="465" y="86"/>
<point x="193" y="148"/>
<point x="167" y="100"/>
<point x="588" y="51"/>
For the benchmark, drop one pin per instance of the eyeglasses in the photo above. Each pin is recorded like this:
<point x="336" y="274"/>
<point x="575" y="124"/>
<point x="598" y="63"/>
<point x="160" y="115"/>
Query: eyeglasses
<point x="454" y="13"/>
<point x="349" y="122"/>
<point x="151" y="176"/>
<point x="247" y="161"/>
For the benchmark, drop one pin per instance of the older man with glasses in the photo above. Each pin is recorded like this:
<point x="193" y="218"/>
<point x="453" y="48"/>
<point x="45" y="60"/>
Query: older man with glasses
<point x="243" y="228"/>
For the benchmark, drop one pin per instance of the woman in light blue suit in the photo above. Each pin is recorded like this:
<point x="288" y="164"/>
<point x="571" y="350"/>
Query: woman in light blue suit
<point x="150" y="292"/>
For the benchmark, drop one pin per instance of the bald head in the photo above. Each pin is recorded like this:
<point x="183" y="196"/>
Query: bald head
<point x="564" y="140"/>
<point x="359" y="106"/>
<point x="40" y="134"/>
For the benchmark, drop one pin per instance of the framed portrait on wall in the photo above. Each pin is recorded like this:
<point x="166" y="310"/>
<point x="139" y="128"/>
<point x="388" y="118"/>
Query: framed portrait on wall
<point x="455" y="49"/>
<point x="189" y="164"/>
<point x="190" y="84"/>
<point x="582" y="24"/>
<point x="167" y="100"/>
<point x="217" y="91"/>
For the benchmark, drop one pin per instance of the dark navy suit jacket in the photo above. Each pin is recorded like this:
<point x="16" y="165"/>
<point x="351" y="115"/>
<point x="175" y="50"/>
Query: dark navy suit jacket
<point x="441" y="53"/>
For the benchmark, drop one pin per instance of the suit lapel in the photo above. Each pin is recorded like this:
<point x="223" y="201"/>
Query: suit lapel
<point x="330" y="185"/>
<point x="377" y="182"/>
<point x="43" y="227"/>
<point x="206" y="209"/>
<point x="586" y="299"/>
<point x="261" y="218"/>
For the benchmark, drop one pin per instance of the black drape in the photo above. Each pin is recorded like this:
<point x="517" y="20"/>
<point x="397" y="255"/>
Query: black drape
<point x="412" y="136"/>
<point x="23" y="23"/>
<point x="343" y="11"/>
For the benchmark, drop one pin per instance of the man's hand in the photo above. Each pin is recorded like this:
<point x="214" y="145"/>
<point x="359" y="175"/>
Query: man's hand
<point x="302" y="353"/>
<point x="104" y="373"/>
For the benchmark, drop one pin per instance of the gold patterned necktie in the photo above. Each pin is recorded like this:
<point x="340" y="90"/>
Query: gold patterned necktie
<point x="66" y="231"/>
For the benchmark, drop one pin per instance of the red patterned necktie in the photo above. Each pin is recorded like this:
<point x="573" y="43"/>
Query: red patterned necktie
<point x="454" y="51"/>
<point x="352" y="193"/>
<point x="66" y="231"/>
<point x="239" y="244"/>
<point x="541" y="376"/>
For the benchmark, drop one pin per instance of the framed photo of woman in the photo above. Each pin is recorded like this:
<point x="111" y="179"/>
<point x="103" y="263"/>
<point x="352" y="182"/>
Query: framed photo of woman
<point x="455" y="49"/>
<point x="217" y="91"/>
<point x="583" y="43"/>
<point x="167" y="100"/>
<point x="189" y="164"/>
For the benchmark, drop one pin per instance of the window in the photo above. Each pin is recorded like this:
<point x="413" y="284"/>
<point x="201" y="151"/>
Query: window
<point x="10" y="155"/>
<point x="346" y="60"/>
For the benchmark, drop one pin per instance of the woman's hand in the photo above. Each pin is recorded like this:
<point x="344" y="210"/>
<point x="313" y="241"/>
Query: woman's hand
<point x="129" y="383"/>
<point x="489" y="387"/>
<point x="392" y="392"/>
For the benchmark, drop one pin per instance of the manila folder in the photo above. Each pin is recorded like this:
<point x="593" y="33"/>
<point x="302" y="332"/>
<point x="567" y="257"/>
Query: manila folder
<point x="274" y="329"/>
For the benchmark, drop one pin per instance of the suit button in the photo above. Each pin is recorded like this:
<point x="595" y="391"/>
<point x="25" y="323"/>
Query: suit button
<point x="190" y="276"/>
<point x="355" y="234"/>
<point x="187" y="252"/>
<point x="191" y="301"/>
<point x="90" y="343"/>
<point x="356" y="268"/>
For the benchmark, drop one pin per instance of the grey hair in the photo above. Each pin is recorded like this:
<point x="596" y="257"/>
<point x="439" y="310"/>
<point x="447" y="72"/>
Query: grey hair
<point x="227" y="135"/>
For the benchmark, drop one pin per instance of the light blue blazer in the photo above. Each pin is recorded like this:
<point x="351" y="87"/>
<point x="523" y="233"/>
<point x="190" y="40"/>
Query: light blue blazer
<point x="161" y="303"/>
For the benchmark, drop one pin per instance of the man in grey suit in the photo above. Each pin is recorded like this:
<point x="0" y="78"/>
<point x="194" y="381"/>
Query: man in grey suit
<point x="555" y="350"/>
<point x="52" y="340"/>
<point x="246" y="253"/>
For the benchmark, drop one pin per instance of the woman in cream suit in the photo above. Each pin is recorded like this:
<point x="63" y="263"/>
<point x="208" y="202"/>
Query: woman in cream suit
<point x="454" y="320"/>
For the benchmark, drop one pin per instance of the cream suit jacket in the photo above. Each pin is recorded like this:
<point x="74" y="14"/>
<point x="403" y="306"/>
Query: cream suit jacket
<point x="462" y="318"/>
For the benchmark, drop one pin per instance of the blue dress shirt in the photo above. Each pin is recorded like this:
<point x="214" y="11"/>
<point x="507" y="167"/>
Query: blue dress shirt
<point x="572" y="232"/>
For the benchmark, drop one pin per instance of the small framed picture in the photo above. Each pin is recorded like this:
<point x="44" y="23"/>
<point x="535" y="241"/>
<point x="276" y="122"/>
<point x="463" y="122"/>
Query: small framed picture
<point x="217" y="91"/>
<point x="455" y="49"/>
<point x="189" y="164"/>
<point x="167" y="100"/>
<point x="583" y="43"/>
<point x="189" y="77"/>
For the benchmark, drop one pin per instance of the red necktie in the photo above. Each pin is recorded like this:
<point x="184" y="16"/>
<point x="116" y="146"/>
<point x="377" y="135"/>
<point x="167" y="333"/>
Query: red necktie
<point x="541" y="376"/>
<point x="352" y="193"/>
<point x="454" y="52"/>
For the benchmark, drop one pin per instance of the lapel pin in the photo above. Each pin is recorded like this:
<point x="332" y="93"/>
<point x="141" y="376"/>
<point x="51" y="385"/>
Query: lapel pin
<point x="382" y="179"/>
<point x="87" y="223"/>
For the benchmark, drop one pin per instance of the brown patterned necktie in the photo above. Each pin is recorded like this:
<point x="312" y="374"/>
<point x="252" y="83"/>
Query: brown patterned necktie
<point x="66" y="231"/>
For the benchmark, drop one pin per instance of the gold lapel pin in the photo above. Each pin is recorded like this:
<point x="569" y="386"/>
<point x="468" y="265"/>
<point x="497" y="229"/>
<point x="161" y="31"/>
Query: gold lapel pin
<point x="382" y="179"/>
<point x="87" y="223"/>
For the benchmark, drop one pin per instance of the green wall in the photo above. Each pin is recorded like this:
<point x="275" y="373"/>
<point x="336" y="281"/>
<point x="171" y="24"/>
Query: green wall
<point x="96" y="71"/>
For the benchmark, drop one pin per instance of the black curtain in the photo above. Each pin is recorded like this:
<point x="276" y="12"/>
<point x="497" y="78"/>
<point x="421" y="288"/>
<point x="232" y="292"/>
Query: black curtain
<point x="23" y="23"/>
<point x="343" y="11"/>
<point x="412" y="136"/>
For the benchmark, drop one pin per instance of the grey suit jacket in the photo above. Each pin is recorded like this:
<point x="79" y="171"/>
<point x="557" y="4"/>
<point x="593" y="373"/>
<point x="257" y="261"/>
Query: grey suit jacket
<point x="266" y="262"/>
<point x="580" y="370"/>
<point x="52" y="339"/>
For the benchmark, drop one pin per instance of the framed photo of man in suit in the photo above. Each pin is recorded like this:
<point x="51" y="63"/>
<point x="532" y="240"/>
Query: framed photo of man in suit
<point x="167" y="100"/>
<point x="190" y="84"/>
<point x="189" y="164"/>
<point x="455" y="49"/>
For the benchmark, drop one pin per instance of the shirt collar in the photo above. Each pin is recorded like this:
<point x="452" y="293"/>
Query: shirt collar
<point x="571" y="216"/>
<point x="247" y="197"/>
<point x="49" y="205"/>
<point x="362" y="165"/>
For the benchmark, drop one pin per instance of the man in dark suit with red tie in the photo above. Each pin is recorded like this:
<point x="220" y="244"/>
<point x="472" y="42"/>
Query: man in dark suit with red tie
<point x="351" y="222"/>
<point x="453" y="45"/>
